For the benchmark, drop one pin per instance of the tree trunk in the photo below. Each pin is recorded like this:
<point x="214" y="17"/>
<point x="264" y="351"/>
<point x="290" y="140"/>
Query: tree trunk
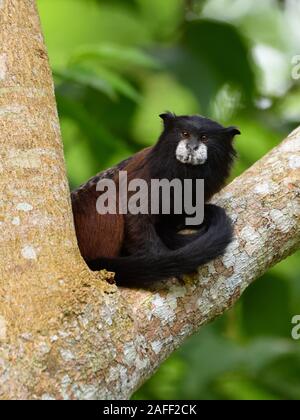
<point x="64" y="331"/>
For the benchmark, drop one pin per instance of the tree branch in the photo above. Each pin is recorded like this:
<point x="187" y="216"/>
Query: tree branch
<point x="64" y="331"/>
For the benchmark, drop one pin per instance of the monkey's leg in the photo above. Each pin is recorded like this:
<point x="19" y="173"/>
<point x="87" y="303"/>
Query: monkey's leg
<point x="141" y="236"/>
<point x="175" y="240"/>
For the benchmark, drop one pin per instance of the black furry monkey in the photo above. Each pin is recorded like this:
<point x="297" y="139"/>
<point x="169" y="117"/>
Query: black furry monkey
<point x="144" y="248"/>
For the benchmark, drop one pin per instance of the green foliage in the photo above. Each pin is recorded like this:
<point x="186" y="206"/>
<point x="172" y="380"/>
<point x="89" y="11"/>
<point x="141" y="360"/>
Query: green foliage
<point x="117" y="65"/>
<point x="115" y="55"/>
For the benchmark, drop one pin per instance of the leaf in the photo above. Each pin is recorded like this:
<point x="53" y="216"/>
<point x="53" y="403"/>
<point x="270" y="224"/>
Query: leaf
<point x="68" y="24"/>
<point x="162" y="17"/>
<point x="160" y="93"/>
<point x="238" y="387"/>
<point x="261" y="352"/>
<point x="282" y="376"/>
<point x="87" y="78"/>
<point x="101" y="79"/>
<point x="119" y="84"/>
<point x="222" y="46"/>
<point x="202" y="354"/>
<point x="115" y="54"/>
<point x="210" y="55"/>
<point x="102" y="143"/>
<point x="165" y="383"/>
<point x="266" y="308"/>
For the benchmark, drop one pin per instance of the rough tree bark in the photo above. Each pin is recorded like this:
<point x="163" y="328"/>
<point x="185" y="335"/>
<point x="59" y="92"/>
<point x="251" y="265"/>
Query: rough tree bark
<point x="64" y="331"/>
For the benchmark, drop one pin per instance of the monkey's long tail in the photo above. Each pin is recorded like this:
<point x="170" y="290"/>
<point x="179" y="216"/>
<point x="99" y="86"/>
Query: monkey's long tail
<point x="139" y="270"/>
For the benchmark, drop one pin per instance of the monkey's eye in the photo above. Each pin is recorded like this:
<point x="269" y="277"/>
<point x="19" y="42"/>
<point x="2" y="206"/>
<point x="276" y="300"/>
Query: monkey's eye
<point x="204" y="138"/>
<point x="185" y="134"/>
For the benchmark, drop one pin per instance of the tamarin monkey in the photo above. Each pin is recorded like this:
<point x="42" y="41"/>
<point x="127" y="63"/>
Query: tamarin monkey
<point x="144" y="248"/>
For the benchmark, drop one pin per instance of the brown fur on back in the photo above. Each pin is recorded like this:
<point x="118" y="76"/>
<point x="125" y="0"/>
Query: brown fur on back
<point x="101" y="235"/>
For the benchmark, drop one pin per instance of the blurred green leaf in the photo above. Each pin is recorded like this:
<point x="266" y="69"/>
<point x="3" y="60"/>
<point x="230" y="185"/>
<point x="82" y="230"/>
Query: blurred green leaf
<point x="101" y="142"/>
<point x="160" y="93"/>
<point x="256" y="140"/>
<point x="104" y="80"/>
<point x="162" y="17"/>
<point x="87" y="78"/>
<point x="261" y="352"/>
<point x="222" y="47"/>
<point x="289" y="106"/>
<point x="116" y="55"/>
<point x="283" y="376"/>
<point x="68" y="24"/>
<point x="75" y="151"/>
<point x="165" y="384"/>
<point x="235" y="387"/>
<point x="119" y="83"/>
<point x="266" y="308"/>
<point x="203" y="350"/>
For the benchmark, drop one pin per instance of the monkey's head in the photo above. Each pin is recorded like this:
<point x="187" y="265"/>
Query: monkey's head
<point x="195" y="139"/>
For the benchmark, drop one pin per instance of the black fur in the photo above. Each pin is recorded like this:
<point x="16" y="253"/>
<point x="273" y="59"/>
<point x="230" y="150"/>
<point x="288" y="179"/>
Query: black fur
<point x="144" y="268"/>
<point x="153" y="249"/>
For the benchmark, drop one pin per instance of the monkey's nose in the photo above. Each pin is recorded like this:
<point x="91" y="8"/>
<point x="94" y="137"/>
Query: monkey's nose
<point x="193" y="145"/>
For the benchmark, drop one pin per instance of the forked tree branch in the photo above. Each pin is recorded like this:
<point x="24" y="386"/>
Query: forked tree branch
<point x="64" y="331"/>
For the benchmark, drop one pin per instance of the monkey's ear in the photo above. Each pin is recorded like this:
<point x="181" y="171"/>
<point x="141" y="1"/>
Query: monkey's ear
<point x="167" y="118"/>
<point x="232" y="131"/>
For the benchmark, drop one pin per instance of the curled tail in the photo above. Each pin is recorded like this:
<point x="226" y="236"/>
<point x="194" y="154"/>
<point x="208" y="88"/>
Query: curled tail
<point x="139" y="269"/>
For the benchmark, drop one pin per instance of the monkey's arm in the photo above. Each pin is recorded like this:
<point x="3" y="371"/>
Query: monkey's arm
<point x="171" y="235"/>
<point x="141" y="236"/>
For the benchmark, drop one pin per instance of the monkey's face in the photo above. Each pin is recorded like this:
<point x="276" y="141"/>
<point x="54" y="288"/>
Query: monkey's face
<point x="193" y="139"/>
<point x="190" y="149"/>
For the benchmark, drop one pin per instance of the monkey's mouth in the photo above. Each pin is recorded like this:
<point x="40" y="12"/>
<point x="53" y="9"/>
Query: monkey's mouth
<point x="185" y="154"/>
